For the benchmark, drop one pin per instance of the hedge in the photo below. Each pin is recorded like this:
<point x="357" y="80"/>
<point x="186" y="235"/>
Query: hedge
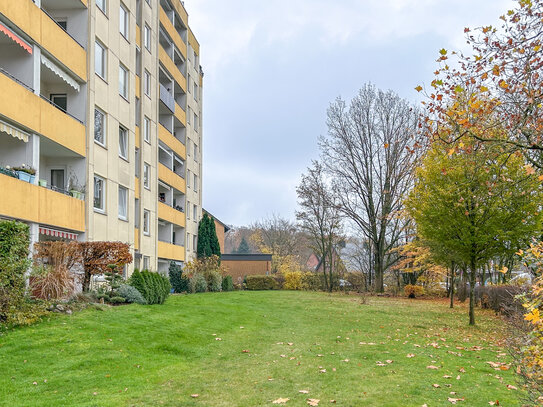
<point x="261" y="283"/>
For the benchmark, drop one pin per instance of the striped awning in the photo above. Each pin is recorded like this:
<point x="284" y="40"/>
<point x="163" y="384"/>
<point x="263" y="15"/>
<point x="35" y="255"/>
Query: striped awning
<point x="58" y="233"/>
<point x="59" y="72"/>
<point x="13" y="131"/>
<point x="16" y="38"/>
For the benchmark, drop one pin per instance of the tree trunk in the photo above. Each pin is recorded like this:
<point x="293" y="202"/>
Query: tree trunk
<point x="378" y="261"/>
<point x="472" y="280"/>
<point x="451" y="291"/>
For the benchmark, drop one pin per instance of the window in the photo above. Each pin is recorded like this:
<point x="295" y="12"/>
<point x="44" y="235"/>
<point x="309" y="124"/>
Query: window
<point x="147" y="83"/>
<point x="195" y="147"/>
<point x="195" y="91"/>
<point x="148" y="2"/>
<point x="138" y="111"/>
<point x="100" y="60"/>
<point x="188" y="148"/>
<point x="123" y="203"/>
<point x="188" y="178"/>
<point x="146" y="221"/>
<point x="195" y="122"/>
<point x="57" y="179"/>
<point x="146" y="129"/>
<point x="146" y="260"/>
<point x="188" y="241"/>
<point x="138" y="163"/>
<point x="137" y="213"/>
<point x="99" y="126"/>
<point x="188" y="210"/>
<point x="195" y="185"/>
<point x="194" y="242"/>
<point x="101" y="4"/>
<point x="146" y="175"/>
<point x="138" y="61"/>
<point x="123" y="143"/>
<point x="60" y="100"/>
<point x="99" y="194"/>
<point x="188" y="83"/>
<point x="194" y="213"/>
<point x="147" y="37"/>
<point x="123" y="21"/>
<point x="123" y="82"/>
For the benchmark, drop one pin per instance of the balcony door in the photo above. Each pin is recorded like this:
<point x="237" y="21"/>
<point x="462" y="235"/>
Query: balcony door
<point x="60" y="100"/>
<point x="58" y="179"/>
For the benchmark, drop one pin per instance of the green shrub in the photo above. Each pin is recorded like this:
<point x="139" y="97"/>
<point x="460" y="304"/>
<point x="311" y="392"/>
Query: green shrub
<point x="213" y="280"/>
<point x="152" y="286"/>
<point x="197" y="283"/>
<point x="311" y="281"/>
<point x="261" y="283"/>
<point x="227" y="284"/>
<point x="131" y="294"/>
<point x="14" y="262"/>
<point x="501" y="299"/>
<point x="178" y="280"/>
<point x="117" y="300"/>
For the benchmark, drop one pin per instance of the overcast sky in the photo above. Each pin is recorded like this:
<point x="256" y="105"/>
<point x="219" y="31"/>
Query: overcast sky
<point x="273" y="67"/>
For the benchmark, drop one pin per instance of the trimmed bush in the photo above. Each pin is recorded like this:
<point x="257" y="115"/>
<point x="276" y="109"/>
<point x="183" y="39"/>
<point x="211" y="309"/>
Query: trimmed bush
<point x="197" y="283"/>
<point x="312" y="281"/>
<point x="152" y="286"/>
<point x="293" y="280"/>
<point x="412" y="291"/>
<point x="117" y="300"/>
<point x="131" y="294"/>
<point x="227" y="284"/>
<point x="178" y="280"/>
<point x="261" y="283"/>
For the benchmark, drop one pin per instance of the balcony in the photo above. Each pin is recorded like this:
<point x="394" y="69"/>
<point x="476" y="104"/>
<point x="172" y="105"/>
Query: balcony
<point x="33" y="203"/>
<point x="167" y="98"/>
<point x="171" y="215"/>
<point x="39" y="115"/>
<point x="171" y="178"/>
<point x="171" y="251"/>
<point x="173" y="33"/>
<point x="172" y="68"/>
<point x="171" y="141"/>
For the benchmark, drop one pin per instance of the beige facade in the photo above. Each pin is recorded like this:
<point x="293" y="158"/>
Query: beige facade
<point x="103" y="99"/>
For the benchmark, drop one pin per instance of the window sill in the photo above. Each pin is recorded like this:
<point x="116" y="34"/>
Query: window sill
<point x="125" y="98"/>
<point x="124" y="158"/>
<point x="100" y="144"/>
<point x="123" y="219"/>
<point x="101" y="77"/>
<point x="100" y="211"/>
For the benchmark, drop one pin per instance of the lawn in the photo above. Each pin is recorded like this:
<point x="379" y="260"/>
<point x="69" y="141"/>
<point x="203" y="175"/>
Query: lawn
<point x="252" y="348"/>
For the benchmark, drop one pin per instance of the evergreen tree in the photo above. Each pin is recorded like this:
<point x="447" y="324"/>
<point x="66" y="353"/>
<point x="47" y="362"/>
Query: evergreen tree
<point x="213" y="239"/>
<point x="243" y="247"/>
<point x="208" y="243"/>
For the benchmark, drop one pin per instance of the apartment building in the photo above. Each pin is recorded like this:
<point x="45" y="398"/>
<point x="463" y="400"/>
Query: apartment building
<point x="103" y="100"/>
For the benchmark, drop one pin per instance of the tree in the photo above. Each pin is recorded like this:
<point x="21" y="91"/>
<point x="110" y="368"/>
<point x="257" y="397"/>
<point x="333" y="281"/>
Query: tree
<point x="243" y="247"/>
<point x="97" y="256"/>
<point x="320" y="218"/>
<point x="500" y="82"/>
<point x="280" y="238"/>
<point x="370" y="153"/>
<point x="474" y="204"/>
<point x="208" y="243"/>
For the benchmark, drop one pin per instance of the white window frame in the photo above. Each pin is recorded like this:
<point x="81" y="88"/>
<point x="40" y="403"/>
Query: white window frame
<point x="194" y="212"/>
<point x="123" y="22"/>
<point x="188" y="178"/>
<point x="146" y="222"/>
<point x="147" y="37"/>
<point x="104" y="123"/>
<point x="123" y="81"/>
<point x="123" y="133"/>
<point x="188" y="210"/>
<point x="147" y="83"/>
<point x="195" y="184"/>
<point x="123" y="211"/>
<point x="102" y="208"/>
<point x="146" y="175"/>
<point x="103" y="52"/>
<point x="146" y="262"/>
<point x="103" y="7"/>
<point x="194" y="242"/>
<point x="147" y="129"/>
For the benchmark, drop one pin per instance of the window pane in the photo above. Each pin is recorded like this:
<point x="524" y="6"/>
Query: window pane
<point x="146" y="129"/>
<point x="123" y="88"/>
<point x="101" y="5"/>
<point x="123" y="21"/>
<point x="98" y="193"/>
<point x="123" y="142"/>
<point x="123" y="195"/>
<point x="99" y="60"/>
<point x="99" y="122"/>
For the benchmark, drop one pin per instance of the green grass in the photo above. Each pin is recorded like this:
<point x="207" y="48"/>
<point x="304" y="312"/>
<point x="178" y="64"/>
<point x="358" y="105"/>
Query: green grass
<point x="160" y="355"/>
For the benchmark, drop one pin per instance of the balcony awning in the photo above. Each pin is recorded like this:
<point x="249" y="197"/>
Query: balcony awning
<point x="13" y="131"/>
<point x="58" y="233"/>
<point x="16" y="38"/>
<point x="59" y="72"/>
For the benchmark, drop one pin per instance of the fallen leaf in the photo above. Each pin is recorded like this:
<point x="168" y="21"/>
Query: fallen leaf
<point x="303" y="391"/>
<point x="453" y="400"/>
<point x="218" y="339"/>
<point x="432" y="367"/>
<point x="447" y="377"/>
<point x="389" y="361"/>
<point x="194" y="395"/>
<point x="511" y="387"/>
<point x="462" y="370"/>
<point x="280" y="400"/>
<point x="322" y="371"/>
<point x="410" y="355"/>
<point x="245" y="351"/>
<point x="313" y="402"/>
<point x="437" y="386"/>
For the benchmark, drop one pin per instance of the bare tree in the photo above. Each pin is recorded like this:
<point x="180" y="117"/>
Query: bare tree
<point x="319" y="218"/>
<point x="371" y="150"/>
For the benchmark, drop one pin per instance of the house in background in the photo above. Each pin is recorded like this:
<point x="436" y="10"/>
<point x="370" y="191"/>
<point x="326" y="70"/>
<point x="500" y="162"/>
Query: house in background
<point x="240" y="265"/>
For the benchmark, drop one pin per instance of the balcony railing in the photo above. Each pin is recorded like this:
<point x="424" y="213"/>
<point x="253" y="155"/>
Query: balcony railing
<point x="56" y="22"/>
<point x="60" y="108"/>
<point x="16" y="80"/>
<point x="167" y="98"/>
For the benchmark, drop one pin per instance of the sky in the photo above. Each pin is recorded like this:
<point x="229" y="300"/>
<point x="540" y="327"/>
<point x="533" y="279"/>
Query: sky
<point x="273" y="67"/>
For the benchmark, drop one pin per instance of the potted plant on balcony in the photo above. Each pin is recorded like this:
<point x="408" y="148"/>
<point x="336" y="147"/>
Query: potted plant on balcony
<point x="7" y="170"/>
<point x="42" y="183"/>
<point x="76" y="189"/>
<point x="25" y="173"/>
